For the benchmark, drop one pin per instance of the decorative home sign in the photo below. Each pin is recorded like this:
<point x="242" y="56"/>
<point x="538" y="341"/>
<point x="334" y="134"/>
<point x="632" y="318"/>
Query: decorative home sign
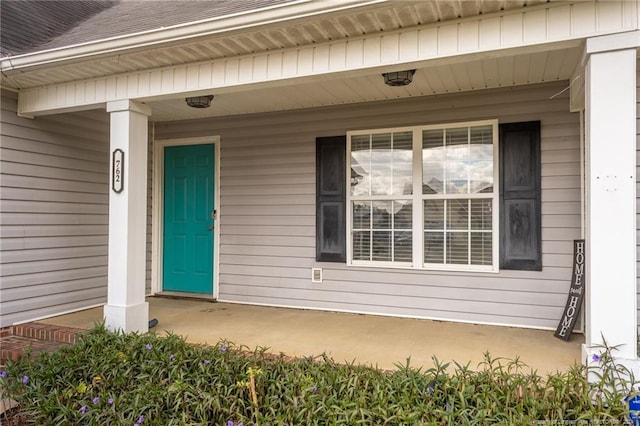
<point x="117" y="182"/>
<point x="576" y="294"/>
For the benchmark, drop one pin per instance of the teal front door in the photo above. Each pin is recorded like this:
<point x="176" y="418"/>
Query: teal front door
<point x="189" y="211"/>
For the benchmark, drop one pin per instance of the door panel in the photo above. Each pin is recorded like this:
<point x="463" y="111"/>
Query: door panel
<point x="189" y="196"/>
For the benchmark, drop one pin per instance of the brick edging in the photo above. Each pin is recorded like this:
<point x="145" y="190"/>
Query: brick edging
<point x="48" y="332"/>
<point x="39" y="337"/>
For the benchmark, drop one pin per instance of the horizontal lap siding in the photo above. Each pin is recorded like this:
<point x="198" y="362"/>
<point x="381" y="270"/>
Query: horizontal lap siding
<point x="53" y="212"/>
<point x="267" y="212"/>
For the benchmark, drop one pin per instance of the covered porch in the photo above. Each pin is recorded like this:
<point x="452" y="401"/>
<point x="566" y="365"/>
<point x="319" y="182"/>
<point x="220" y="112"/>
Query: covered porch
<point x="380" y="341"/>
<point x="542" y="64"/>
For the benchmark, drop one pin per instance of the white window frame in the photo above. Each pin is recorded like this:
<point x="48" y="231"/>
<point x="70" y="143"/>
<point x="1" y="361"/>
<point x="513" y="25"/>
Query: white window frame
<point x="417" y="201"/>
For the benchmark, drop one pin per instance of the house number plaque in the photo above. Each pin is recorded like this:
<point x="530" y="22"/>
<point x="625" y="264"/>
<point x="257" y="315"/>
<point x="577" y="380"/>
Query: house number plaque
<point x="117" y="175"/>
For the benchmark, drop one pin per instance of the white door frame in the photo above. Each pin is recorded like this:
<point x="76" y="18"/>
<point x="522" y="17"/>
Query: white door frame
<point x="157" y="212"/>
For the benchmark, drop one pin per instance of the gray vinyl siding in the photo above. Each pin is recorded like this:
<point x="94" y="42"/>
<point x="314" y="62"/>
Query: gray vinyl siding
<point x="267" y="211"/>
<point x="53" y="212"/>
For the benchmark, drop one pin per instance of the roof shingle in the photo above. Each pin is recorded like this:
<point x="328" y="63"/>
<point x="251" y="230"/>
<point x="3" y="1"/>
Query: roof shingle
<point x="32" y="25"/>
<point x="26" y="25"/>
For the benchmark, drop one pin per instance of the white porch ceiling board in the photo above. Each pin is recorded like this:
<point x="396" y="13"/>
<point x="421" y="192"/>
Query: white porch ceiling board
<point x="491" y="72"/>
<point x="521" y="69"/>
<point x="537" y="64"/>
<point x="553" y="66"/>
<point x="572" y="57"/>
<point x="375" y="89"/>
<point x="142" y="61"/>
<point x="427" y="81"/>
<point x="446" y="77"/>
<point x="441" y="79"/>
<point x="340" y="92"/>
<point x="421" y="85"/>
<point x="462" y="76"/>
<point x="476" y="77"/>
<point x="506" y="70"/>
<point x="476" y="35"/>
<point x="313" y="95"/>
<point x="354" y="93"/>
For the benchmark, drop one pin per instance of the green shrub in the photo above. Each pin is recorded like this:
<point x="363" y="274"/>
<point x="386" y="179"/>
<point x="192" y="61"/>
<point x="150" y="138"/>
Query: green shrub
<point x="113" y="379"/>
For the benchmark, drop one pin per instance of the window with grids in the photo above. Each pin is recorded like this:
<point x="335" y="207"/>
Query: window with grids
<point x="381" y="197"/>
<point x="425" y="197"/>
<point x="457" y="187"/>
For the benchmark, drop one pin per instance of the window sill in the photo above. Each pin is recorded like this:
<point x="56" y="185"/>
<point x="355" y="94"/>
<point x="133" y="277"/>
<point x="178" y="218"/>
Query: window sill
<point x="426" y="268"/>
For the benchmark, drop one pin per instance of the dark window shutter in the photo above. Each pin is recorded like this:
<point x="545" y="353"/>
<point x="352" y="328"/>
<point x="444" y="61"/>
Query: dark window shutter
<point x="520" y="214"/>
<point x="331" y="231"/>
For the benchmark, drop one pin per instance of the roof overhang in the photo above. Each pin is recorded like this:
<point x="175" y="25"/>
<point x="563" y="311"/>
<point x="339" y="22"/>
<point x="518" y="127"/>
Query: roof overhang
<point x="285" y="26"/>
<point x="180" y="34"/>
<point x="289" y="56"/>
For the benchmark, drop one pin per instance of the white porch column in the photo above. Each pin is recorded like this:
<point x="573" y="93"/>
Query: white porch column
<point x="610" y="131"/>
<point x="126" y="308"/>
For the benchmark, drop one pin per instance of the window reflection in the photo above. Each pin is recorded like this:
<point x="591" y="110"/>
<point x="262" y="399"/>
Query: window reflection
<point x="382" y="164"/>
<point x="457" y="161"/>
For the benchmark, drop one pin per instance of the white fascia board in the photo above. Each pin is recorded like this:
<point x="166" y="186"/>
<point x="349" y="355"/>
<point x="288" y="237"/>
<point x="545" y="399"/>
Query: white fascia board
<point x="178" y="33"/>
<point x="611" y="42"/>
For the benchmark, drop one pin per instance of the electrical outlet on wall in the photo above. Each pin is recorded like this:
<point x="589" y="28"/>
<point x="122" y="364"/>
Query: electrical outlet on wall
<point x="316" y="275"/>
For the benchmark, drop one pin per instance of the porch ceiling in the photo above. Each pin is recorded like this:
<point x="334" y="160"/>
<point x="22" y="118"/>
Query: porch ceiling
<point x="330" y="22"/>
<point x="439" y="78"/>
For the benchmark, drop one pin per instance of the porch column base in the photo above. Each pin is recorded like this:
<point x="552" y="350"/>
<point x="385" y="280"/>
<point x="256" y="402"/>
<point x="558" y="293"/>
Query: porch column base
<point x="129" y="319"/>
<point x="631" y="364"/>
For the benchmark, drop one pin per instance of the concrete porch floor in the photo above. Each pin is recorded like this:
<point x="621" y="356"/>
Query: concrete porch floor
<point x="367" y="339"/>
